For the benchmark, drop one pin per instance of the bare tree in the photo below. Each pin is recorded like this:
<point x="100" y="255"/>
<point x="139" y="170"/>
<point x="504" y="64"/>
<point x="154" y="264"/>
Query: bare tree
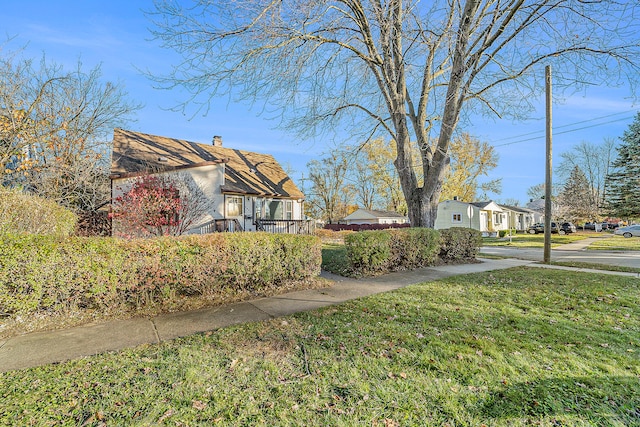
<point x="408" y="68"/>
<point x="54" y="128"/>
<point x="538" y="191"/>
<point x="374" y="161"/>
<point x="330" y="193"/>
<point x="594" y="161"/>
<point x="363" y="182"/>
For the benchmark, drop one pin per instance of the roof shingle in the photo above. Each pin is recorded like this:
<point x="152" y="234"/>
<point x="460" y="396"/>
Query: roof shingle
<point x="245" y="172"/>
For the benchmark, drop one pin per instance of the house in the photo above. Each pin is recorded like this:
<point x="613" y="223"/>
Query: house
<point x="245" y="190"/>
<point x="488" y="217"/>
<point x="538" y="205"/>
<point x="519" y="218"/>
<point x="367" y="216"/>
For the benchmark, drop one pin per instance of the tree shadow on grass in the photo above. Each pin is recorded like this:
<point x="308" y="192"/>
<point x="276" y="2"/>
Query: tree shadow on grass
<point x="599" y="400"/>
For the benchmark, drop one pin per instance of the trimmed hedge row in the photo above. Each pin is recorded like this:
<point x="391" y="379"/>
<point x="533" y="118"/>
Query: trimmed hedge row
<point x="375" y="252"/>
<point x="46" y="274"/>
<point x="25" y="213"/>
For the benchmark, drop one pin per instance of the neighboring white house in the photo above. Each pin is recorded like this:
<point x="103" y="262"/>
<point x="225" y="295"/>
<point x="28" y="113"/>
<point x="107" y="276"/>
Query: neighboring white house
<point x="519" y="218"/>
<point x="246" y="191"/>
<point x="367" y="216"/>
<point x="487" y="217"/>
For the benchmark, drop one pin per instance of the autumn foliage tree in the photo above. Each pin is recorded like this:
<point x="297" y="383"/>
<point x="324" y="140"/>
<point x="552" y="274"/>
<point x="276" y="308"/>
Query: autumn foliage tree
<point x="471" y="159"/>
<point x="159" y="205"/>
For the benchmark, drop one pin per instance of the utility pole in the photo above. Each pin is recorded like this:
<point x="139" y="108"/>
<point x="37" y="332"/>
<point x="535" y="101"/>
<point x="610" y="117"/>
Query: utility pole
<point x="547" y="181"/>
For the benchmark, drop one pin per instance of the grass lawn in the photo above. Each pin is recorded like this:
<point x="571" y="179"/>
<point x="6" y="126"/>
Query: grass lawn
<point x="616" y="243"/>
<point x="608" y="267"/>
<point x="334" y="259"/>
<point x="509" y="348"/>
<point x="524" y="240"/>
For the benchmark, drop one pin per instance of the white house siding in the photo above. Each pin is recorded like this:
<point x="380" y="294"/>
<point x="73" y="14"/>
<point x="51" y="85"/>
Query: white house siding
<point x="520" y="218"/>
<point x="489" y="220"/>
<point x="448" y="212"/>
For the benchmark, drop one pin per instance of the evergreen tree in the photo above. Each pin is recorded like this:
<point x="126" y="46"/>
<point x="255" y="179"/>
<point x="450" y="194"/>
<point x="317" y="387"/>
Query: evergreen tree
<point x="623" y="183"/>
<point x="577" y="198"/>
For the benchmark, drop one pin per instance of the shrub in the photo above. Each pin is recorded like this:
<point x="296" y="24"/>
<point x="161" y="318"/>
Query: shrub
<point x="371" y="252"/>
<point x="459" y="244"/>
<point x="414" y="248"/>
<point x="25" y="213"/>
<point x="53" y="275"/>
<point x="503" y="233"/>
<point x="332" y="236"/>
<point x="368" y="252"/>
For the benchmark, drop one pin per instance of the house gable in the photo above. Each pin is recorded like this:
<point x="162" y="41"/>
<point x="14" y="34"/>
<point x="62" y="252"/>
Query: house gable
<point x="245" y="172"/>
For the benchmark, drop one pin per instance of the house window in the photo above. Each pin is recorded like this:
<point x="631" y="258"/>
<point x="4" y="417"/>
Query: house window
<point x="456" y="218"/>
<point x="234" y="206"/>
<point x="259" y="208"/>
<point x="498" y="218"/>
<point x="288" y="209"/>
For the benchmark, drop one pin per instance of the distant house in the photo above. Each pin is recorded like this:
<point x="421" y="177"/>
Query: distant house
<point x="487" y="217"/>
<point x="538" y="205"/>
<point x="247" y="191"/>
<point x="519" y="218"/>
<point x="367" y="216"/>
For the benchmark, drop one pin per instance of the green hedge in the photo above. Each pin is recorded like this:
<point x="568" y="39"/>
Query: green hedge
<point x="48" y="274"/>
<point x="459" y="244"/>
<point x="24" y="213"/>
<point x="375" y="252"/>
<point x="372" y="252"/>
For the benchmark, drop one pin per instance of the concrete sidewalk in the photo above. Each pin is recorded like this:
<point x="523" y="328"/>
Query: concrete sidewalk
<point x="41" y="348"/>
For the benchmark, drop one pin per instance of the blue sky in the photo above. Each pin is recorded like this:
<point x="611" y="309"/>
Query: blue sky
<point x="115" y="34"/>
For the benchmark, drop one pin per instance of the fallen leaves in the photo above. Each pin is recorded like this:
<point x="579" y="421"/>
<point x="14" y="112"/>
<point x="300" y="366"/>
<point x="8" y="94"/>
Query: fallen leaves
<point x="199" y="405"/>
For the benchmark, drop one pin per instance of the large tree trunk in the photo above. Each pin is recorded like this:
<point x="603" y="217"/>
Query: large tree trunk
<point x="422" y="203"/>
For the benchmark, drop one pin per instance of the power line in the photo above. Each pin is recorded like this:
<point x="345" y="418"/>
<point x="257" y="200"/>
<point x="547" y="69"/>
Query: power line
<point x="540" y="134"/>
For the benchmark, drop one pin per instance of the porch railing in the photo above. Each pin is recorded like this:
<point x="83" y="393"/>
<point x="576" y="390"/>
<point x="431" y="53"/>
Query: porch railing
<point x="220" y="226"/>
<point x="289" y="226"/>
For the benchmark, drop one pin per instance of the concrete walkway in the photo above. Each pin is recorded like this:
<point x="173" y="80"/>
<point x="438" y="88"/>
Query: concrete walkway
<point x="42" y="348"/>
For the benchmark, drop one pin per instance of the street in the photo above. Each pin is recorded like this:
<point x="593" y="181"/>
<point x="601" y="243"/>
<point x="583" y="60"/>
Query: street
<point x="563" y="253"/>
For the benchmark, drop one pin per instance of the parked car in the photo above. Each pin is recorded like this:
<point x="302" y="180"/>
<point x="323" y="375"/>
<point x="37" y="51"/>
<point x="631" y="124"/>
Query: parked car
<point x="564" y="228"/>
<point x="632" y="230"/>
<point x="536" y="228"/>
<point x="589" y="226"/>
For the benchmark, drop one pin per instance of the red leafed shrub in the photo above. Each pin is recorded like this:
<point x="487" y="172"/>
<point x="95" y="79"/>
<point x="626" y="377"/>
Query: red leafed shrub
<point x="152" y="207"/>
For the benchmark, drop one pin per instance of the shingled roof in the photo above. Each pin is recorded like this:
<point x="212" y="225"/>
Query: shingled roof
<point x="245" y="172"/>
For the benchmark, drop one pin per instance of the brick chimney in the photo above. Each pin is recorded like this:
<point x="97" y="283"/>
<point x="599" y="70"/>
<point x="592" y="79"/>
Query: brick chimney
<point x="217" y="141"/>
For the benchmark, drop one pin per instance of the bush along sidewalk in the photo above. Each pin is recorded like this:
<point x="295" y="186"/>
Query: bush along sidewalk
<point x="376" y="252"/>
<point x="49" y="275"/>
